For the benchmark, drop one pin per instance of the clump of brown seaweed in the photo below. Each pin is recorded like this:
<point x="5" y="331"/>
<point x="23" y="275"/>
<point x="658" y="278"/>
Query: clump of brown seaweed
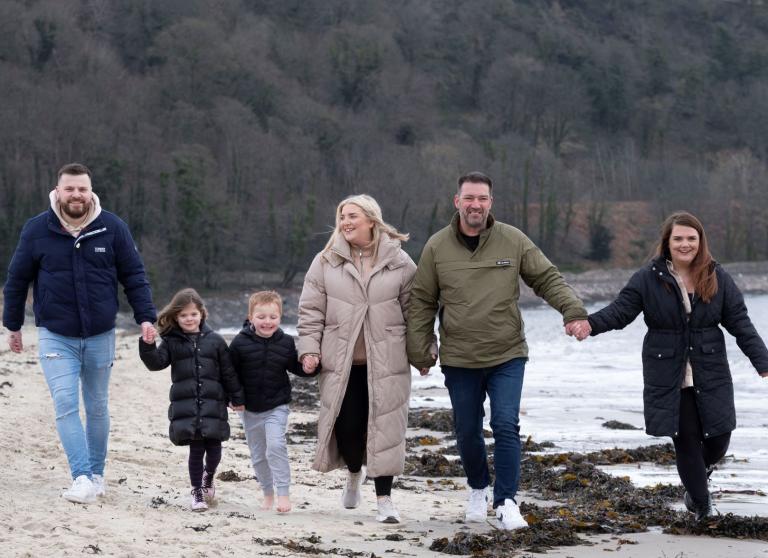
<point x="593" y="502"/>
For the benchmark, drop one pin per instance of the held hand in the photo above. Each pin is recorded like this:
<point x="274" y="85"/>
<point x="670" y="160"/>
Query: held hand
<point x="237" y="407"/>
<point x="580" y="329"/>
<point x="309" y="363"/>
<point x="425" y="371"/>
<point x="14" y="341"/>
<point x="148" y="332"/>
<point x="764" y="374"/>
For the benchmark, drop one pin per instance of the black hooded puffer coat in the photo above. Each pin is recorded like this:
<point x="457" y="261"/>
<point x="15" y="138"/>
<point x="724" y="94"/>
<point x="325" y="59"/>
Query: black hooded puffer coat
<point x="203" y="381"/>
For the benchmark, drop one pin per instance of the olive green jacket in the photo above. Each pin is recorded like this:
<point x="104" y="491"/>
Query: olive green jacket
<point x="475" y="295"/>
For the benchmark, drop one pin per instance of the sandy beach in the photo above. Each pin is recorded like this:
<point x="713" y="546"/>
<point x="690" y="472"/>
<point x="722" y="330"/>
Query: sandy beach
<point x="145" y="511"/>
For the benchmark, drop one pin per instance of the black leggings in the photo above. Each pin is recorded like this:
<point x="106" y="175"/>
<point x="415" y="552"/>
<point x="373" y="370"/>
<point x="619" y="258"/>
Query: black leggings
<point x="351" y="426"/>
<point x="693" y="452"/>
<point x="211" y="449"/>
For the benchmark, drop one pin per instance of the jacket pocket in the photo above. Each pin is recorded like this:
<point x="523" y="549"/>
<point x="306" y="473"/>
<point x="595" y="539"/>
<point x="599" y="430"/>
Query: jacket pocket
<point x="712" y="348"/>
<point x="329" y="348"/>
<point x="660" y="367"/>
<point x="396" y="354"/>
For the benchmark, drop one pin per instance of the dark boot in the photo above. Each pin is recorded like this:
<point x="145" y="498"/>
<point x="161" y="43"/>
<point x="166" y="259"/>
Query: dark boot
<point x="700" y="511"/>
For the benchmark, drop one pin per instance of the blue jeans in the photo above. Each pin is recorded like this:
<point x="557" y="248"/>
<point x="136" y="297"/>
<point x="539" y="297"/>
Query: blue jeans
<point x="72" y="364"/>
<point x="467" y="388"/>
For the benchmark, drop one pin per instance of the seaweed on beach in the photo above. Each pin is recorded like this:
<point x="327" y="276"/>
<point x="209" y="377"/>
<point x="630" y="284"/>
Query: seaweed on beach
<point x="305" y="394"/>
<point x="230" y="476"/>
<point x="305" y="429"/>
<point x="617" y="425"/>
<point x="660" y="454"/>
<point x="728" y="525"/>
<point x="431" y="464"/>
<point x="594" y="502"/>
<point x="294" y="546"/>
<point x="421" y="441"/>
<point x="439" y="420"/>
<point x="537" y="538"/>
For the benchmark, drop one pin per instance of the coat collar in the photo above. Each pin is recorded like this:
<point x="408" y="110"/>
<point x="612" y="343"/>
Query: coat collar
<point x="248" y="330"/>
<point x="389" y="254"/>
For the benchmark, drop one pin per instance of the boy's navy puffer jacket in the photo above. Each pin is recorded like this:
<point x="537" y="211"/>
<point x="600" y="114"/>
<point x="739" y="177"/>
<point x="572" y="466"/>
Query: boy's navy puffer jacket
<point x="75" y="279"/>
<point x="202" y="382"/>
<point x="261" y="364"/>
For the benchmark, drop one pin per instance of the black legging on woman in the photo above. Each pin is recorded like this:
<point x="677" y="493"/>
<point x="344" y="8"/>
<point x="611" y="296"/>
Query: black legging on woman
<point x="351" y="426"/>
<point x="695" y="453"/>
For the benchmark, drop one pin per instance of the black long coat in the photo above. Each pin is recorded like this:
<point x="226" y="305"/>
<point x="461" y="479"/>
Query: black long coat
<point x="261" y="365"/>
<point x="203" y="381"/>
<point x="673" y="338"/>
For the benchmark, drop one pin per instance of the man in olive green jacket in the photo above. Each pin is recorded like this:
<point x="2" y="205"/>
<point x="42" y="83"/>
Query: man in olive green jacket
<point x="469" y="275"/>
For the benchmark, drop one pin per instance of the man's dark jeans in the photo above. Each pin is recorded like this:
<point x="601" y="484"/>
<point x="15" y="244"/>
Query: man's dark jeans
<point x="467" y="388"/>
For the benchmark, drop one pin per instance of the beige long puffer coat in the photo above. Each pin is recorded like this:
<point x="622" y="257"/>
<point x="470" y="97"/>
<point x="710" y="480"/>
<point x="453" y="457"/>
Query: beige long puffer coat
<point x="335" y="303"/>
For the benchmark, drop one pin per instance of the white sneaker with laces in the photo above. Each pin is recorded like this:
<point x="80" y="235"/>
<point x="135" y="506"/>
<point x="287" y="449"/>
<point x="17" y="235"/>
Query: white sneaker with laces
<point x="81" y="492"/>
<point x="209" y="488"/>
<point x="198" y="500"/>
<point x="477" y="505"/>
<point x="350" y="497"/>
<point x="99" y="485"/>
<point x="387" y="511"/>
<point x="509" y="516"/>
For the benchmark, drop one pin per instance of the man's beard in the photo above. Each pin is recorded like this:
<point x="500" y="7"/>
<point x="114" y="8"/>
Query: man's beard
<point x="75" y="213"/>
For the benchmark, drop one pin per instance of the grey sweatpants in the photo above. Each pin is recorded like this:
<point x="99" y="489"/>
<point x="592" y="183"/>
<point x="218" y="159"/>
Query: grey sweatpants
<point x="265" y="434"/>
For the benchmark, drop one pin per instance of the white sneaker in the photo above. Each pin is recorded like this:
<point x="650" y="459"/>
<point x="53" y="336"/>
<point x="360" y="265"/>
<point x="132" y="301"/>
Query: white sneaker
<point x="198" y="500"/>
<point x="82" y="491"/>
<point x="509" y="516"/>
<point x="387" y="511"/>
<point x="350" y="497"/>
<point x="99" y="486"/>
<point x="209" y="488"/>
<point x="477" y="506"/>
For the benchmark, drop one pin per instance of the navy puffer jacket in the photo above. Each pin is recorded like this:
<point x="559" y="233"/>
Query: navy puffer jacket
<point x="673" y="338"/>
<point x="75" y="279"/>
<point x="261" y="364"/>
<point x="202" y="382"/>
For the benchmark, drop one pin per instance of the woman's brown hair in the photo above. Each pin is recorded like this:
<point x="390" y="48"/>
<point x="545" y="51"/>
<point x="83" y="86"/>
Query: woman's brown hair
<point x="702" y="267"/>
<point x="166" y="319"/>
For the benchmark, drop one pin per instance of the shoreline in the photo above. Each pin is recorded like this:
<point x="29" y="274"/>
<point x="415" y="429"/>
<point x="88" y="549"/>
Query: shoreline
<point x="145" y="511"/>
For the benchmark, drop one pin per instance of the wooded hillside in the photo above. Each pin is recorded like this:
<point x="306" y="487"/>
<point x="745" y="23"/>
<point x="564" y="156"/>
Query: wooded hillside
<point x="225" y="131"/>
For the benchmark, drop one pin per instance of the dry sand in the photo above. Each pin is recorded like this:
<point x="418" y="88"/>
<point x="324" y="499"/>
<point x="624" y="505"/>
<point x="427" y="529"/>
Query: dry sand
<point x="145" y="512"/>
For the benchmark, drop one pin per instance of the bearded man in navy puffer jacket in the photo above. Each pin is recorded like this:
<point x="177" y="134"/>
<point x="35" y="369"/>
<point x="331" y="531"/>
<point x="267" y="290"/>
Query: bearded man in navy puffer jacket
<point x="74" y="255"/>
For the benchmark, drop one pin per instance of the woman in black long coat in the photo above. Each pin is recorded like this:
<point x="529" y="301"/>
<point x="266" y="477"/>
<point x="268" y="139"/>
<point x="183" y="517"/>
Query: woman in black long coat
<point x="688" y="391"/>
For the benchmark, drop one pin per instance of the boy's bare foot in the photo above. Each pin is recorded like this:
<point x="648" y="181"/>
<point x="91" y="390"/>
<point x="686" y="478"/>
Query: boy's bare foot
<point x="268" y="502"/>
<point x="283" y="504"/>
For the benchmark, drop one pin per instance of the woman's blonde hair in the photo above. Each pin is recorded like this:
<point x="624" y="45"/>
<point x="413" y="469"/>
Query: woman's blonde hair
<point x="372" y="210"/>
<point x="166" y="319"/>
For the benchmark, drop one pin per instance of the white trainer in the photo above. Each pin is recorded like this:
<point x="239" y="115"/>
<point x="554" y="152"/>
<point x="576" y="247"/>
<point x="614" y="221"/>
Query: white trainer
<point x="81" y="492"/>
<point x="350" y="497"/>
<point x="99" y="485"/>
<point x="509" y="516"/>
<point x="477" y="506"/>
<point x="387" y="511"/>
<point x="198" y="500"/>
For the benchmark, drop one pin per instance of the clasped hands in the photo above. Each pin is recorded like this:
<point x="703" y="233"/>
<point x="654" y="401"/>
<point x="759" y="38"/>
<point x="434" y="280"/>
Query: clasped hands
<point x="580" y="329"/>
<point x="310" y="362"/>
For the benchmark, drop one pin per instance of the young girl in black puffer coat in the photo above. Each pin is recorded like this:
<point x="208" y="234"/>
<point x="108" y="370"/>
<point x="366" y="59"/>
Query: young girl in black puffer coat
<point x="203" y="382"/>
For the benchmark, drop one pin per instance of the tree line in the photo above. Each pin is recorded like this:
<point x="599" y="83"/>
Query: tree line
<point x="225" y="131"/>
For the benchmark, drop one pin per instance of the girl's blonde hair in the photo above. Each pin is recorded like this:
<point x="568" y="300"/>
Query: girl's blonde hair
<point x="372" y="210"/>
<point x="166" y="319"/>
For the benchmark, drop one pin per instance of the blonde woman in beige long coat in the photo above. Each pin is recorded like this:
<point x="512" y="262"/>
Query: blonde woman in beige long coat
<point x="352" y="332"/>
